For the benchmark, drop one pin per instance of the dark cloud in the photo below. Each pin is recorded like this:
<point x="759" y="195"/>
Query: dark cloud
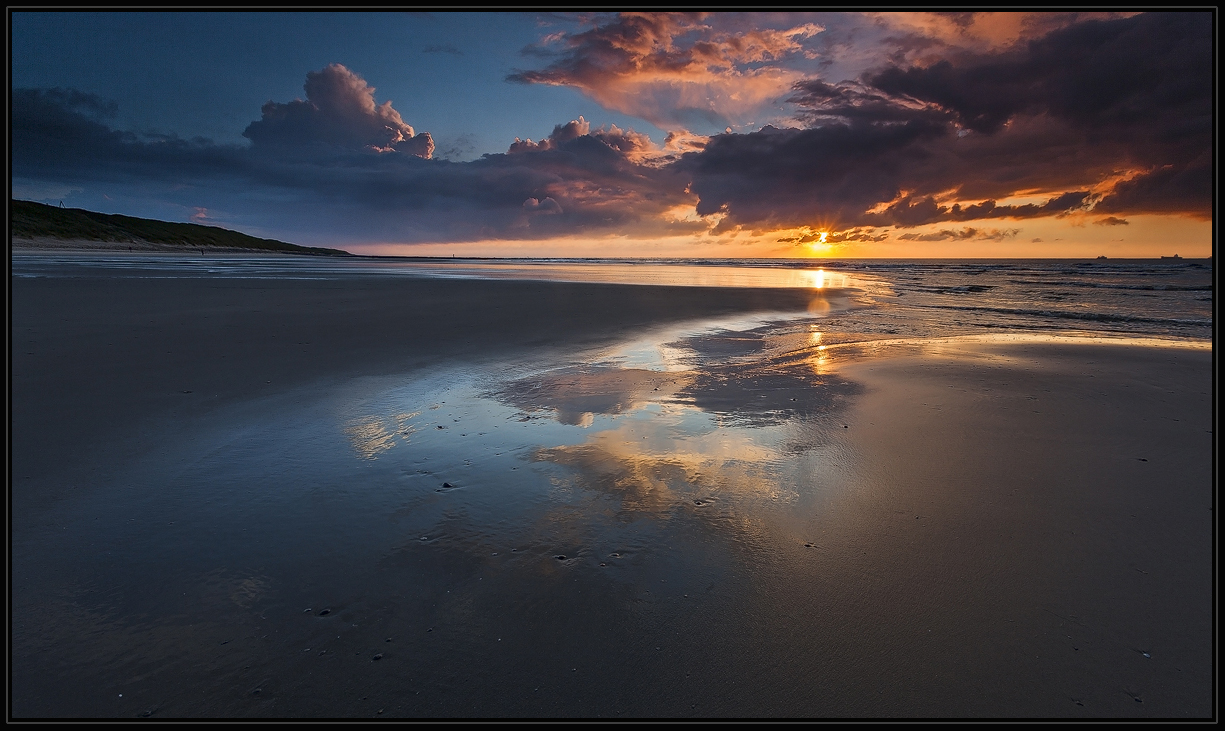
<point x="1111" y="221"/>
<point x="1170" y="188"/>
<point x="1064" y="113"/>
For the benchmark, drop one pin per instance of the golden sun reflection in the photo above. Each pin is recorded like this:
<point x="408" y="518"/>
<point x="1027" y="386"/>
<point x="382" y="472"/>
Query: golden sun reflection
<point x="814" y="280"/>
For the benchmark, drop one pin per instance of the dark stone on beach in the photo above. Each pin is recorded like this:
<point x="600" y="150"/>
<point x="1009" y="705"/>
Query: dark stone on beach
<point x="325" y="612"/>
<point x="377" y="657"/>
<point x="447" y="485"/>
<point x="184" y="391"/>
<point x="440" y="426"/>
<point x="697" y="502"/>
<point x="560" y="557"/>
<point x="1142" y="459"/>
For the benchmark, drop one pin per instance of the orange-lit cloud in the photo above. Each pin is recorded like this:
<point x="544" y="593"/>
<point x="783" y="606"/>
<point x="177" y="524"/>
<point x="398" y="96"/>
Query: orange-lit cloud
<point x="674" y="69"/>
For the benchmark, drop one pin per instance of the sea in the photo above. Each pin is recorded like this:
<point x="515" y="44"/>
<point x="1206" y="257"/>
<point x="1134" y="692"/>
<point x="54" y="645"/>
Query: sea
<point x="1163" y="298"/>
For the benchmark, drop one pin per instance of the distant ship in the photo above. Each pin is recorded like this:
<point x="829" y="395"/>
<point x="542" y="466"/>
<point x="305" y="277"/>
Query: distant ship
<point x="1176" y="256"/>
<point x="1101" y="257"/>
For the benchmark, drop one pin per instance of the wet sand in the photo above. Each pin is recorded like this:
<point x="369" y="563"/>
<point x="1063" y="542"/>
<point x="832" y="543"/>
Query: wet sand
<point x="258" y="498"/>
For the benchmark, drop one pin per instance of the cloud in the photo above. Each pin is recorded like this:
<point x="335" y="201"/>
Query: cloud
<point x="339" y="111"/>
<point x="460" y="146"/>
<point x="835" y="237"/>
<point x="548" y="206"/>
<point x="1111" y="221"/>
<point x="965" y="234"/>
<point x="1064" y="116"/>
<point x="1170" y="188"/>
<point x="635" y="146"/>
<point x="924" y="36"/>
<point x="675" y="70"/>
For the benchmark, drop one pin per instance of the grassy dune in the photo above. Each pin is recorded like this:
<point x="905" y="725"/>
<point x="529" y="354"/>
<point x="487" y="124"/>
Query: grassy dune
<point x="32" y="220"/>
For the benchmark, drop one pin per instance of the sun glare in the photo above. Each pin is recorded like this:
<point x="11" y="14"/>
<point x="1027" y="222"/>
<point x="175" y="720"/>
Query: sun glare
<point x="816" y="279"/>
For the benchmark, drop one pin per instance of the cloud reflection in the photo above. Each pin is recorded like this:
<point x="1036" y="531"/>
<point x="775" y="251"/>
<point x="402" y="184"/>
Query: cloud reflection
<point x="683" y="440"/>
<point x="373" y="435"/>
<point x="654" y="465"/>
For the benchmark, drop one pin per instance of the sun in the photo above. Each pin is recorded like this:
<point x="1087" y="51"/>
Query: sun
<point x="820" y="245"/>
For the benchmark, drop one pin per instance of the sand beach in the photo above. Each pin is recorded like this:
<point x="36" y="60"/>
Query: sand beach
<point x="415" y="497"/>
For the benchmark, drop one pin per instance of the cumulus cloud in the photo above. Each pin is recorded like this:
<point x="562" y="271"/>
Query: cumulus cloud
<point x="635" y="146"/>
<point x="675" y="70"/>
<point x="339" y="111"/>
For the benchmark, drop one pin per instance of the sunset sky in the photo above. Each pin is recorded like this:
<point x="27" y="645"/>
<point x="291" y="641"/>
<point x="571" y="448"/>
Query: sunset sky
<point x="708" y="135"/>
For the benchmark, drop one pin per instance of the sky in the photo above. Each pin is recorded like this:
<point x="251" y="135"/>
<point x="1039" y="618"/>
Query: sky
<point x="899" y="135"/>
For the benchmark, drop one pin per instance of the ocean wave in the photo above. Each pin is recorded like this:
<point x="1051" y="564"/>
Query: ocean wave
<point x="1070" y="315"/>
<point x="1106" y="285"/>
